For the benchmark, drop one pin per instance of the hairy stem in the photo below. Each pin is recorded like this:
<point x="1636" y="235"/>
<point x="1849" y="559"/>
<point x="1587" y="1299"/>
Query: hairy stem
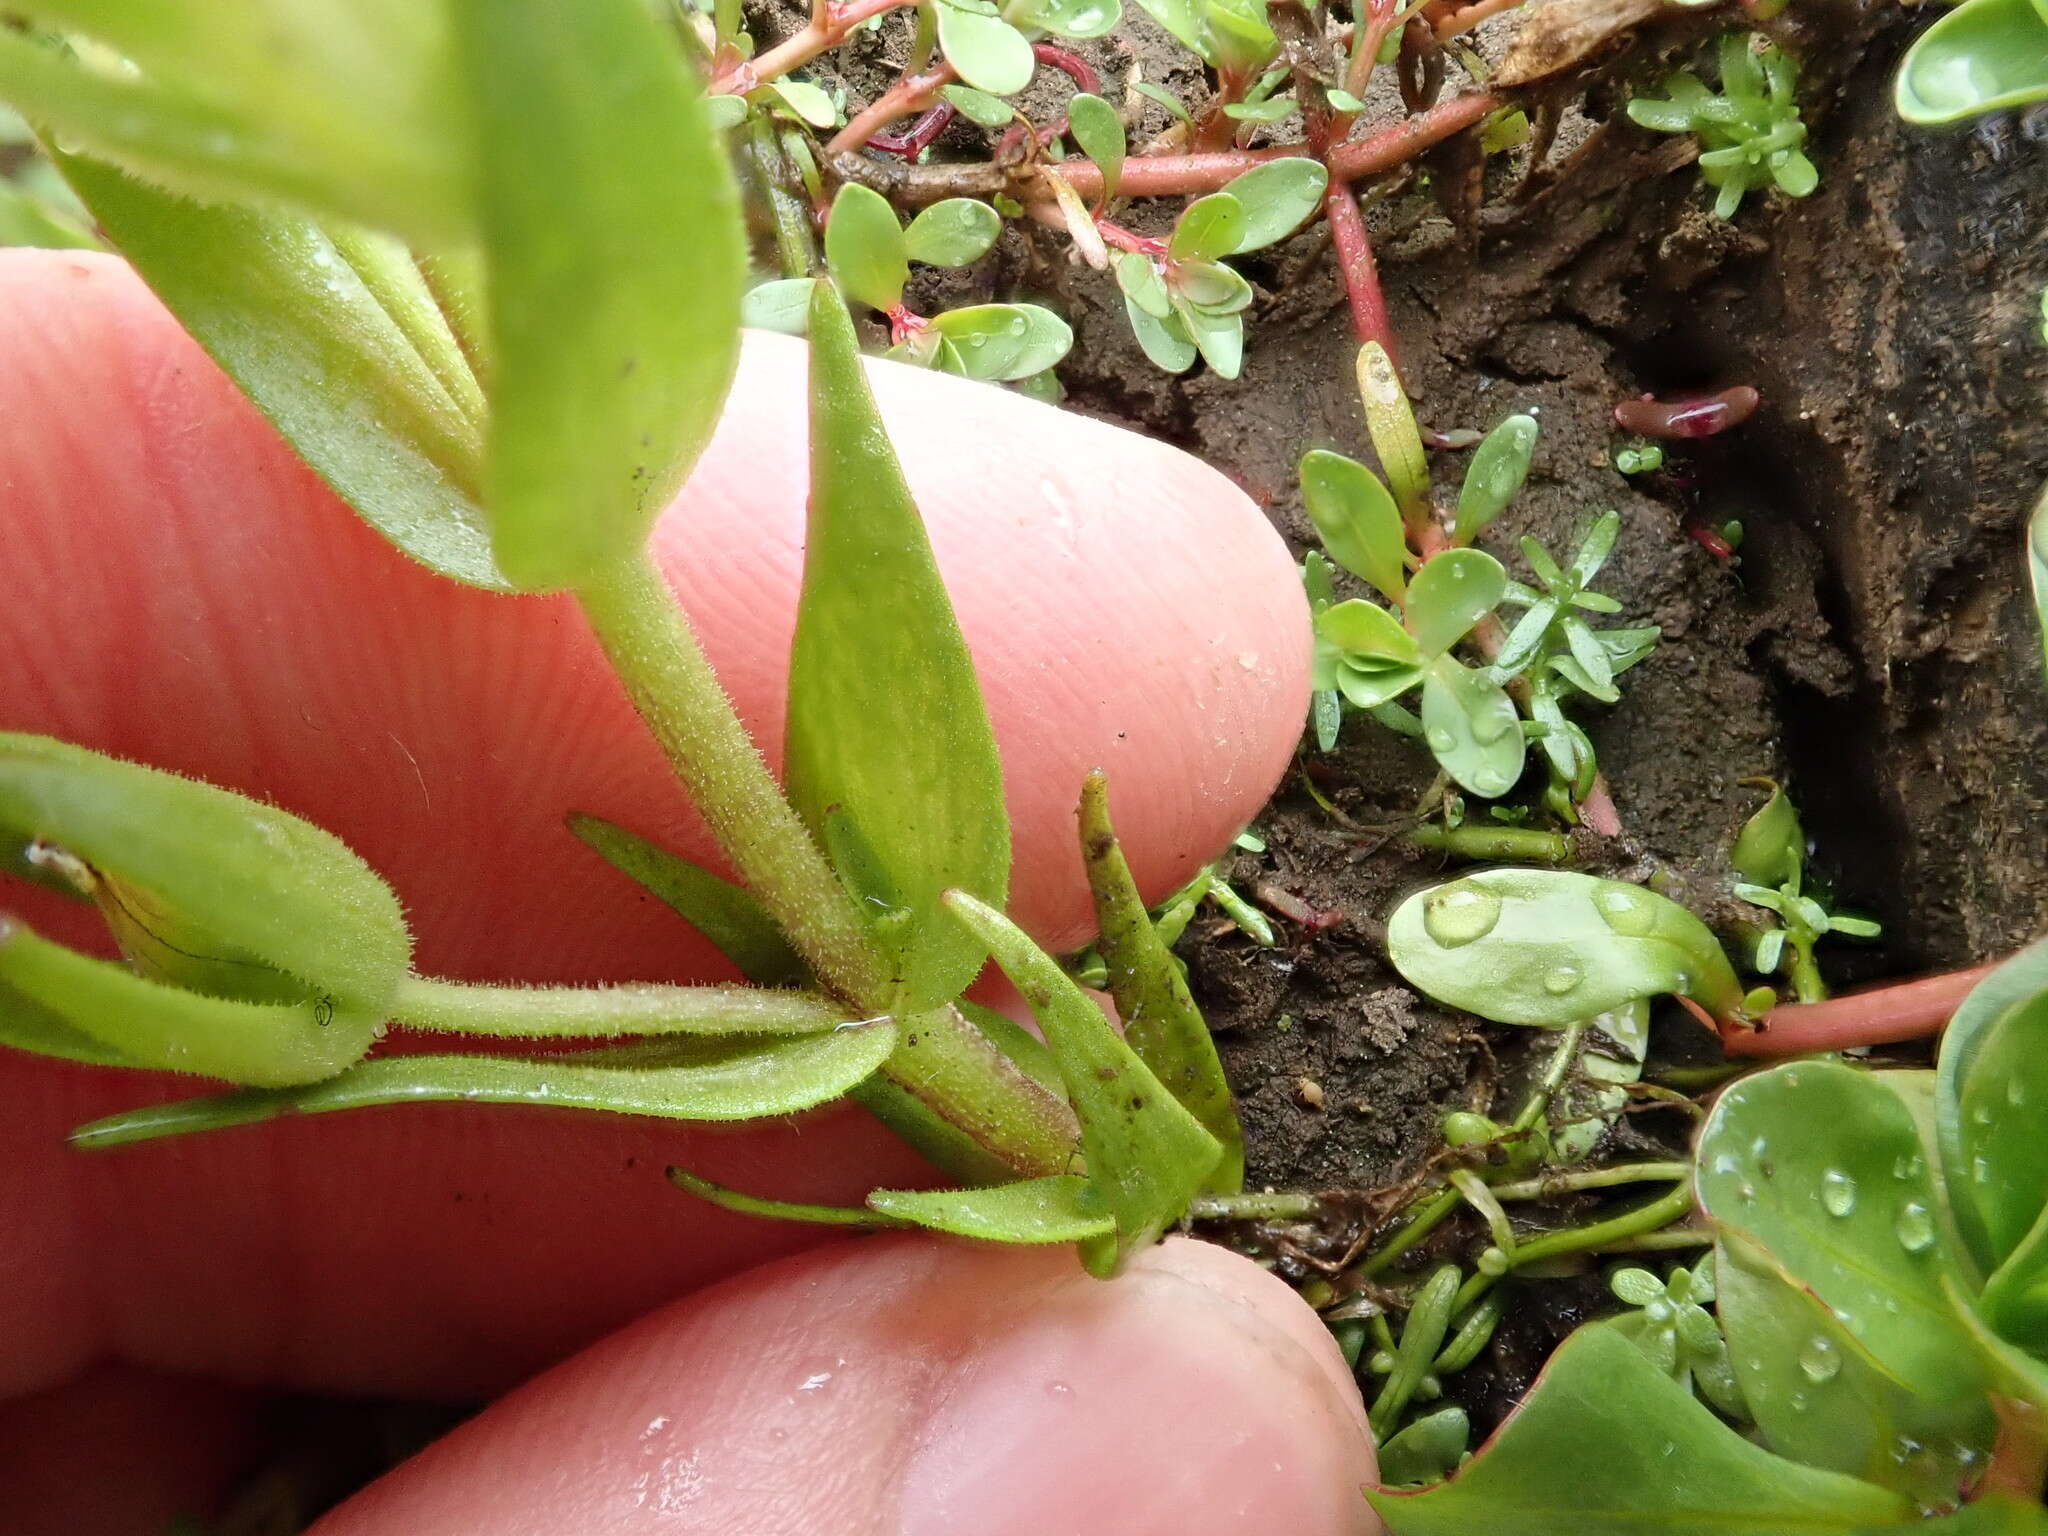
<point x="648" y="640"/>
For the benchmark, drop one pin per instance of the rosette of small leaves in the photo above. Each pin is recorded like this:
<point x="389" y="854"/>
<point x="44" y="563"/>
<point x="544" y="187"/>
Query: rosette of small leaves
<point x="1561" y="654"/>
<point x="1770" y="857"/>
<point x="1750" y="134"/>
<point x="1671" y="1324"/>
<point x="1186" y="303"/>
<point x="869" y="253"/>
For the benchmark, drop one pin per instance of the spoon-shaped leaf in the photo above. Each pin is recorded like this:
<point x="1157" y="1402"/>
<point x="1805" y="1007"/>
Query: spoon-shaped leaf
<point x="271" y="885"/>
<point x="1356" y="519"/>
<point x="1471" y="726"/>
<point x="614" y="313"/>
<point x="1499" y="466"/>
<point x="1451" y="594"/>
<point x="1771" y="848"/>
<point x="1665" y="1466"/>
<point x="736" y="1078"/>
<point x="1211" y="227"/>
<point x="1277" y="197"/>
<point x="1548" y="946"/>
<point x="1100" y="132"/>
<point x="886" y="726"/>
<point x="865" y="247"/>
<point x="1983" y="56"/>
<point x="1821" y="1167"/>
<point x="1991" y="1077"/>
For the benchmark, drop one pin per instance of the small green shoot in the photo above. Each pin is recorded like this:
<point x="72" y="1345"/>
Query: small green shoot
<point x="1750" y="134"/>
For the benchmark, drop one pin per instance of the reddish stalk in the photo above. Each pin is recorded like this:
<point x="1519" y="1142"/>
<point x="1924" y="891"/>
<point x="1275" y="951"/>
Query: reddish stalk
<point x="1128" y="240"/>
<point x="1361" y="272"/>
<point x="912" y="93"/>
<point x="1882" y="1016"/>
<point x="920" y="136"/>
<point x="827" y="30"/>
<point x="2019" y="1455"/>
<point x="1076" y="69"/>
<point x="1598" y="809"/>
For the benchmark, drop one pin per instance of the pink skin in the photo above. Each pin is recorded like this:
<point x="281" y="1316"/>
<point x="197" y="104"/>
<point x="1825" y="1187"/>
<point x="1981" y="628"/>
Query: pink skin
<point x="177" y="588"/>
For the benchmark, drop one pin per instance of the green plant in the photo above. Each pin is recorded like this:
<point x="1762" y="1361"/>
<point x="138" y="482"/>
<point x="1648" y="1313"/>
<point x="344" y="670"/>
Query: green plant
<point x="505" y="355"/>
<point x="1770" y="857"/>
<point x="1750" y="134"/>
<point x="1983" y="56"/>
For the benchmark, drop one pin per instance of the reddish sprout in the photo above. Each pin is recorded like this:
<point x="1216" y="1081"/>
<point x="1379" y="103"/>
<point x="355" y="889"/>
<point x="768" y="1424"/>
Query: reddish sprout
<point x="1702" y="416"/>
<point x="918" y="137"/>
<point x="1711" y="541"/>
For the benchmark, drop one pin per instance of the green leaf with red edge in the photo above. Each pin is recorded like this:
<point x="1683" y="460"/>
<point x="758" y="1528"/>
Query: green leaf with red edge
<point x="614" y="315"/>
<point x="1666" y="1466"/>
<point x="888" y="743"/>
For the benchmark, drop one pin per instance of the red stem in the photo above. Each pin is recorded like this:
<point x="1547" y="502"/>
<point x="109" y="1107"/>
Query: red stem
<point x="911" y="93"/>
<point x="1076" y="69"/>
<point x="1128" y="240"/>
<point x="1361" y="273"/>
<point x="919" y="137"/>
<point x="1882" y="1016"/>
<point x="800" y="47"/>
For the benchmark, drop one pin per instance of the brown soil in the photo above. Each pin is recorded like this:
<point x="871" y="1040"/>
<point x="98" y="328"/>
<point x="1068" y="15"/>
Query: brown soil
<point x="1875" y="645"/>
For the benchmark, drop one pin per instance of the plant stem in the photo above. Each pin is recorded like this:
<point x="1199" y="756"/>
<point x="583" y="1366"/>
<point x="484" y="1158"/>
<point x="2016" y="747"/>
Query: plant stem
<point x="1467" y="17"/>
<point x="2019" y="1456"/>
<point x="648" y="640"/>
<point x="1628" y="1226"/>
<point x="1881" y="1016"/>
<point x="606" y="1012"/>
<point x="1355" y="261"/>
<point x="1428" y="1215"/>
<point x="1659" y="1242"/>
<point x="1569" y="1040"/>
<point x="825" y="31"/>
<point x="1283" y="1206"/>
<point x="1590" y="1178"/>
<point x="912" y="93"/>
<point x="1523" y="845"/>
<point x="794" y="243"/>
<point x="1807" y="985"/>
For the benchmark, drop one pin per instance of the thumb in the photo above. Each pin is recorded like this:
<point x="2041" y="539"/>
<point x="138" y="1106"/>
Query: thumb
<point x="910" y="1386"/>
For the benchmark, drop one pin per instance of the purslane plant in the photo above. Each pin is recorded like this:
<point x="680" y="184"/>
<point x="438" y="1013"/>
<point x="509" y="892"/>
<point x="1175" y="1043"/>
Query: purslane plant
<point x="430" y="253"/>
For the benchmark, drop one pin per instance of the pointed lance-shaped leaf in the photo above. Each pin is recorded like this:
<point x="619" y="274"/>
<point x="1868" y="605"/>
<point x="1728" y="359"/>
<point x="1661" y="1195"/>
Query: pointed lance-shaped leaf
<point x="886" y="726"/>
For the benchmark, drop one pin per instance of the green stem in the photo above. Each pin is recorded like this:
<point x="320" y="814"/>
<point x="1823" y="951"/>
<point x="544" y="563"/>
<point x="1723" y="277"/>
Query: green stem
<point x="467" y="1008"/>
<point x="793" y="243"/>
<point x="1590" y="1178"/>
<point x="648" y="640"/>
<point x="1520" y="845"/>
<point x="1630" y="1225"/>
<point x="1568" y="1042"/>
<point x="1659" y="1242"/>
<point x="1254" y="1207"/>
<point x="1428" y="1215"/>
<point x="941" y="1059"/>
<point x="1807" y="985"/>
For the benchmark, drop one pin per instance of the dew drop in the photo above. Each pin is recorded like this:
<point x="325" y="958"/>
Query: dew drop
<point x="1458" y="914"/>
<point x="1798" y="1401"/>
<point x="1819" y="1361"/>
<point x="1439" y="739"/>
<point x="1489" y="781"/>
<point x="1914" y="1227"/>
<point x="1016" y="325"/>
<point x="1560" y="980"/>
<point x="1981" y="1114"/>
<point x="1837" y="1192"/>
<point x="1908" y="1166"/>
<point x="1625" y="911"/>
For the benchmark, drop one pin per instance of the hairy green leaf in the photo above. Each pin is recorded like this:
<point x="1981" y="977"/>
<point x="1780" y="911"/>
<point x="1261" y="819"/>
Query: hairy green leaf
<point x="1161" y="1022"/>
<point x="1550" y="946"/>
<point x="886" y="724"/>
<point x="614" y="315"/>
<point x="716" y="1078"/>
<point x="1147" y="1155"/>
<point x="611" y="1011"/>
<point x="334" y="335"/>
<point x="1061" y="1208"/>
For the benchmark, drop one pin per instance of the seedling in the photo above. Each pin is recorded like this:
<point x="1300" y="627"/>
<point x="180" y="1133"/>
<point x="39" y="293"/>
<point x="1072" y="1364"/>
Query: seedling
<point x="1750" y="134"/>
<point x="1770" y="856"/>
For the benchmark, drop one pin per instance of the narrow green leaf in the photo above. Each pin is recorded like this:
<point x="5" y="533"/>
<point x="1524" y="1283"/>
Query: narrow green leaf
<point x="276" y="300"/>
<point x="1494" y="477"/>
<point x="1061" y="1208"/>
<point x="955" y="232"/>
<point x="1211" y="227"/>
<point x="781" y="305"/>
<point x="29" y="220"/>
<point x="1820" y="1167"/>
<point x="1146" y="1153"/>
<point x="1450" y="595"/>
<point x="1390" y="423"/>
<point x="1161" y="1022"/>
<point x="1271" y="110"/>
<point x="726" y="914"/>
<point x="1100" y="133"/>
<point x="614" y="314"/>
<point x="608" y="1012"/>
<point x="1983" y="56"/>
<point x="779" y="1210"/>
<point x="167" y="1029"/>
<point x="1550" y="946"/>
<point x="1355" y="517"/>
<point x="1471" y="727"/>
<point x="1277" y="197"/>
<point x="1820" y="1398"/>
<point x="736" y="1078"/>
<point x="1665" y="1465"/>
<point x="27" y="1025"/>
<point x="990" y="54"/>
<point x="273" y="886"/>
<point x="1174" y="106"/>
<point x="886" y="720"/>
<point x="865" y="247"/>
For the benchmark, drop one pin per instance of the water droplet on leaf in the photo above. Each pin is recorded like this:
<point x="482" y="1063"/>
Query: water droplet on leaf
<point x="1819" y="1361"/>
<point x="1458" y="914"/>
<point x="1915" y="1227"/>
<point x="1837" y="1192"/>
<point x="1625" y="911"/>
<point x="1440" y="740"/>
<point x="1560" y="980"/>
